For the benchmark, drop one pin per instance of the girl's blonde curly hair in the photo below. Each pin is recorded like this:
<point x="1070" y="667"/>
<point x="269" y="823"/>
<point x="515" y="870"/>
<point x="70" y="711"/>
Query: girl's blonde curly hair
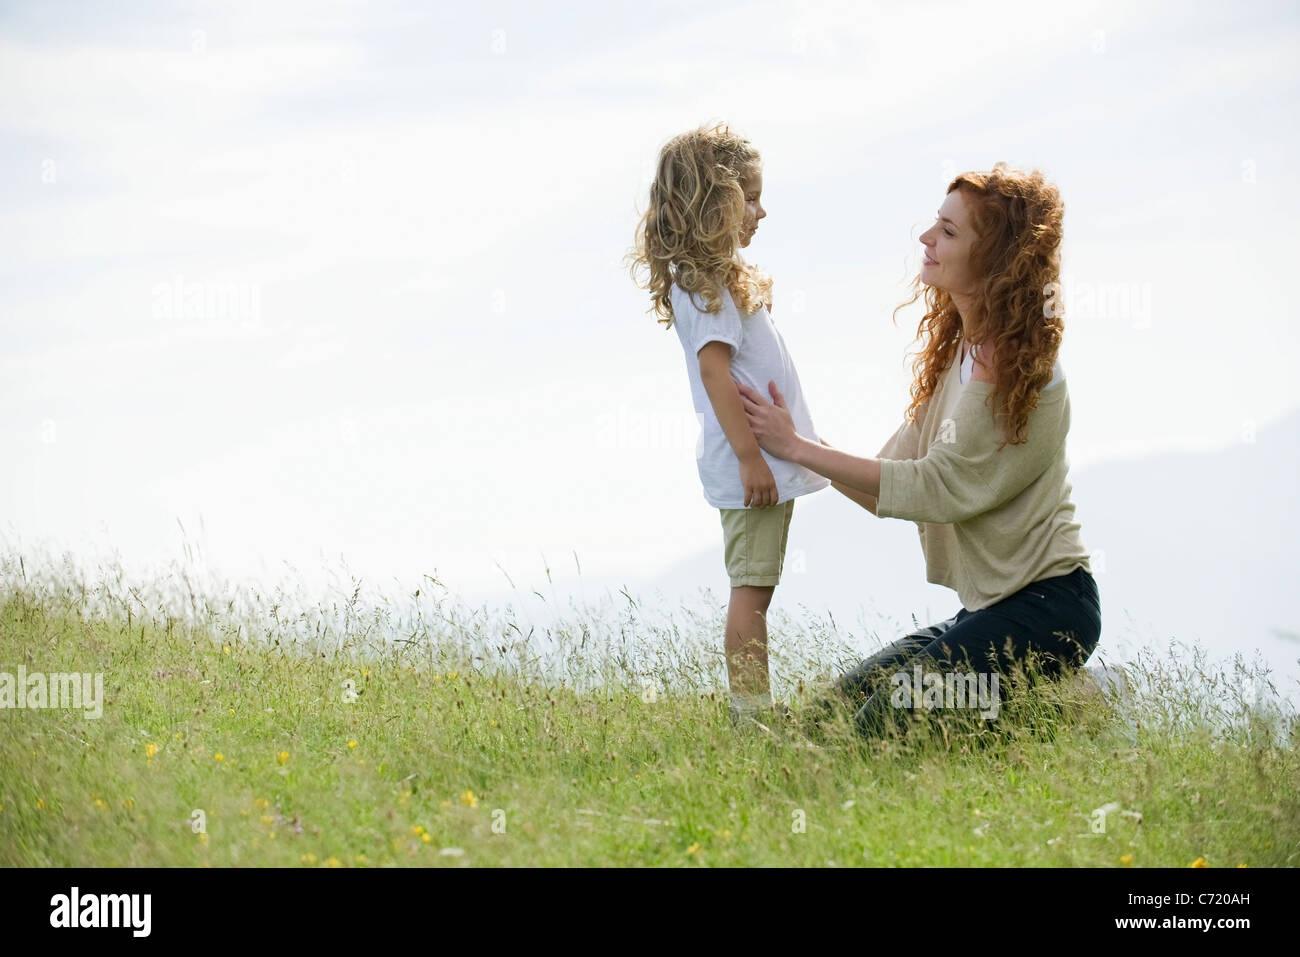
<point x="690" y="233"/>
<point x="1016" y="256"/>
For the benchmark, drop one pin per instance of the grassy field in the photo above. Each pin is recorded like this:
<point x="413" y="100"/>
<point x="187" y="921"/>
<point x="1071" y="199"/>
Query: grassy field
<point x="358" y="738"/>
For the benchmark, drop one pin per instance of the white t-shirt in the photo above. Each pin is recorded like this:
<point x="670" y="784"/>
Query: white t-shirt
<point x="758" y="354"/>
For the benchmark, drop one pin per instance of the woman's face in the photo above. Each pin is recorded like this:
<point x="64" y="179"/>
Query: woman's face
<point x="947" y="243"/>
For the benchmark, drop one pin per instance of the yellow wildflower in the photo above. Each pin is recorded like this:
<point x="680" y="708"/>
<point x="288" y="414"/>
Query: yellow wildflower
<point x="203" y="838"/>
<point x="1199" y="862"/>
<point x="333" y="862"/>
<point x="417" y="830"/>
<point x="219" y="756"/>
<point x="308" y="858"/>
<point x="693" y="849"/>
<point x="40" y="803"/>
<point x="468" y="799"/>
<point x="150" y="750"/>
<point x="282" y="757"/>
<point x="352" y="744"/>
<point x="426" y="838"/>
<point x="1127" y="860"/>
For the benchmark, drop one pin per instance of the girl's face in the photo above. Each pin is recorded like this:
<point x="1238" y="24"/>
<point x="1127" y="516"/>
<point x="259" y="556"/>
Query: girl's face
<point x="948" y="242"/>
<point x="754" y="211"/>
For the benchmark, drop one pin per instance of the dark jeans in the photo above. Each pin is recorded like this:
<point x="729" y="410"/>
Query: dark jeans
<point x="1058" y="618"/>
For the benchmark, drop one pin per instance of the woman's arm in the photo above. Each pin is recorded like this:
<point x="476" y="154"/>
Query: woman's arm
<point x="859" y="474"/>
<point x="774" y="430"/>
<point x="862" y="498"/>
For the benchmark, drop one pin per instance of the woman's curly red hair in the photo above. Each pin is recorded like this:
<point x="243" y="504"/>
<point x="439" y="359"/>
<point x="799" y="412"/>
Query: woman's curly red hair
<point x="1017" y="217"/>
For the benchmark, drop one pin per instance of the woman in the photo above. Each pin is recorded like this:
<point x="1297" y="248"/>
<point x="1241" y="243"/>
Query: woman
<point x="979" y="463"/>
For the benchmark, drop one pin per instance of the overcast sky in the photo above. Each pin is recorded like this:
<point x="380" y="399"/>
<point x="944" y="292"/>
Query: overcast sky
<point x="313" y="280"/>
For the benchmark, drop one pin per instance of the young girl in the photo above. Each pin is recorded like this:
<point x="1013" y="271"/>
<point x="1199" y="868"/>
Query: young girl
<point x="704" y="207"/>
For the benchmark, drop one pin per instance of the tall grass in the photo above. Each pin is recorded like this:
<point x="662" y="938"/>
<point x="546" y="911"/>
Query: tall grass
<point x="251" y="726"/>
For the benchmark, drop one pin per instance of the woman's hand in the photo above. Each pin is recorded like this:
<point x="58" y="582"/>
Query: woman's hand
<point x="769" y="421"/>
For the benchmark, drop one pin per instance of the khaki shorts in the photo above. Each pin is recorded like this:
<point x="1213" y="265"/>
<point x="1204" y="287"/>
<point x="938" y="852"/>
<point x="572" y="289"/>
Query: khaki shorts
<point x="753" y="541"/>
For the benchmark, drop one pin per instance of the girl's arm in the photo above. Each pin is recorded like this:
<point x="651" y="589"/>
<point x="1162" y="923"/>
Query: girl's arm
<point x="756" y="477"/>
<point x="715" y="374"/>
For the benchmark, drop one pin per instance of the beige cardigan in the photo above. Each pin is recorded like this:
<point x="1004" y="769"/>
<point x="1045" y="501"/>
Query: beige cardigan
<point x="990" y="521"/>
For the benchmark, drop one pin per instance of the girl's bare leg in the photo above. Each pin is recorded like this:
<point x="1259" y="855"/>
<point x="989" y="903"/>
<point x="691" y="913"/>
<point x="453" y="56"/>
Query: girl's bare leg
<point x="746" y="640"/>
